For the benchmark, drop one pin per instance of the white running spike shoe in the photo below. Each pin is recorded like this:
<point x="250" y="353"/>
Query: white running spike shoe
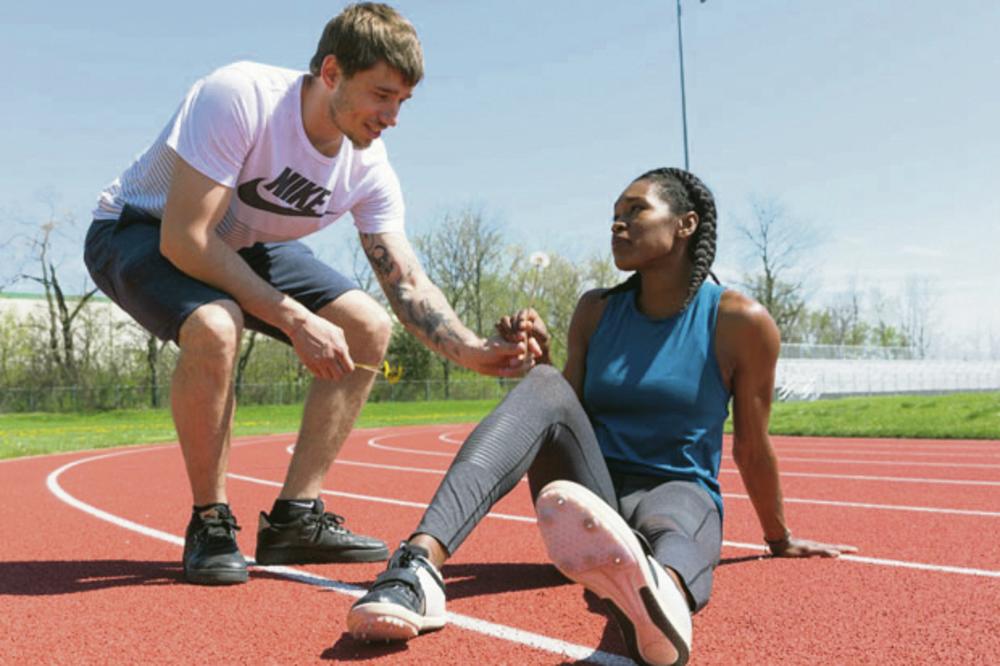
<point x="406" y="600"/>
<point x="591" y="544"/>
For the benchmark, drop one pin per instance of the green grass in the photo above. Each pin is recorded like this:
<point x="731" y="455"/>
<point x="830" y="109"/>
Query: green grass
<point x="38" y="433"/>
<point x="956" y="416"/>
<point x="952" y="416"/>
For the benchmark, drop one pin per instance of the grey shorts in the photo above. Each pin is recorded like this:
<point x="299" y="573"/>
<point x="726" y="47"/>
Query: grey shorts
<point x="124" y="260"/>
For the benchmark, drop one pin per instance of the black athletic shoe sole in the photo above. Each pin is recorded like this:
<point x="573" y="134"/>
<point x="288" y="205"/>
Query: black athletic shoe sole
<point x="217" y="576"/>
<point x="317" y="556"/>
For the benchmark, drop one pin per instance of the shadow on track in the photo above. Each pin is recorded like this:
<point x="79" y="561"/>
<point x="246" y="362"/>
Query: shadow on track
<point x="40" y="578"/>
<point x="348" y="649"/>
<point x="480" y="579"/>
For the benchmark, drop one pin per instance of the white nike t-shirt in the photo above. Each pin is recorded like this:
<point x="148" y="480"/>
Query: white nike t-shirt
<point x="242" y="127"/>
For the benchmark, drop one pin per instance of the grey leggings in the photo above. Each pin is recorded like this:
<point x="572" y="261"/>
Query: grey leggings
<point x="541" y="428"/>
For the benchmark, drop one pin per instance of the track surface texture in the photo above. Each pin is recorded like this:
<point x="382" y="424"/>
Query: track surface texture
<point x="90" y="571"/>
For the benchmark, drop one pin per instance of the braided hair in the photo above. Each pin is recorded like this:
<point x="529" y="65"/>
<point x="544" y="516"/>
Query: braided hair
<point x="684" y="192"/>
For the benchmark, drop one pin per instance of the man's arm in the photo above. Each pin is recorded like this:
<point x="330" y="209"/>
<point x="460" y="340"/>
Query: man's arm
<point x="424" y="311"/>
<point x="195" y="205"/>
<point x="749" y="341"/>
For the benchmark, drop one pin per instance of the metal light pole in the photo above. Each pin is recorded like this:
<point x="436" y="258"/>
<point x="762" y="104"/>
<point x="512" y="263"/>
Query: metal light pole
<point x="684" y="116"/>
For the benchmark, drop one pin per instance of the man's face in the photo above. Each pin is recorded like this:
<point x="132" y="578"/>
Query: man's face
<point x="368" y="102"/>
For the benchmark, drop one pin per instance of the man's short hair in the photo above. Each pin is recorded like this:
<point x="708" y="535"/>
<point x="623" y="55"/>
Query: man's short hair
<point x="365" y="33"/>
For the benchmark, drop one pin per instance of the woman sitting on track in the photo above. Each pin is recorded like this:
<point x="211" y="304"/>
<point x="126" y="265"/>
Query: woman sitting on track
<point x="623" y="449"/>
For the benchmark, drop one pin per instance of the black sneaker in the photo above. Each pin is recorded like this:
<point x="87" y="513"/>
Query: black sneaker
<point x="211" y="556"/>
<point x="313" y="538"/>
<point x="406" y="599"/>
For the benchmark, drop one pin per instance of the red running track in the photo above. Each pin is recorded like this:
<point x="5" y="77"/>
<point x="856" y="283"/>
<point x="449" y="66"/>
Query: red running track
<point x="89" y="563"/>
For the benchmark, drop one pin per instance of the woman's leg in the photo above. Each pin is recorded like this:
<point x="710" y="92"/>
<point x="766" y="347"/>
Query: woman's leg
<point x="683" y="526"/>
<point x="540" y="425"/>
<point x="540" y="428"/>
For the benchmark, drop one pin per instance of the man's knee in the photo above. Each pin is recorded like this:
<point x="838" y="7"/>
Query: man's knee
<point x="213" y="331"/>
<point x="366" y="325"/>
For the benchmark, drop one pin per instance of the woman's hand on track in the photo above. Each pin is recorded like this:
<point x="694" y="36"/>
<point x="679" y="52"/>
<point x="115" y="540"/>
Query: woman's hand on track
<point x="795" y="547"/>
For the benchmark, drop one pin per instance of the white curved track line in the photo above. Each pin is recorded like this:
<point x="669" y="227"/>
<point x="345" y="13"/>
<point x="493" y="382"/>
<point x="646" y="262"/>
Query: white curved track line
<point x="447" y="439"/>
<point x="940" y="568"/>
<point x="376" y="444"/>
<point x="492" y="629"/>
<point x="890" y="479"/>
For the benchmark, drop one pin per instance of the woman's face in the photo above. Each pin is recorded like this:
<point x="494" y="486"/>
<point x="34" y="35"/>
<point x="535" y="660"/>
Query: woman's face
<point x="645" y="230"/>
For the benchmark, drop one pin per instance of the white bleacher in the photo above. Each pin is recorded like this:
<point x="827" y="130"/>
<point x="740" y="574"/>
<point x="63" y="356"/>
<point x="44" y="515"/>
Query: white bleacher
<point x="811" y="378"/>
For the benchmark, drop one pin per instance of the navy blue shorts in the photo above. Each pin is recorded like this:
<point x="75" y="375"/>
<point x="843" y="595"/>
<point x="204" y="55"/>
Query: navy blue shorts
<point x="124" y="260"/>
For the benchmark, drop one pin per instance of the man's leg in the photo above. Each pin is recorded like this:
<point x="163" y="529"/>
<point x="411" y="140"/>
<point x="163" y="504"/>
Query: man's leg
<point x="202" y="396"/>
<point x="332" y="407"/>
<point x="124" y="259"/>
<point x="202" y="401"/>
<point x="298" y="530"/>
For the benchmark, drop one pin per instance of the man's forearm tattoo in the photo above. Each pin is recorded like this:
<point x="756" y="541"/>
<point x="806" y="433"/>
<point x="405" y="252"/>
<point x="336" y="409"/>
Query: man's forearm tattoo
<point x="434" y="323"/>
<point x="378" y="255"/>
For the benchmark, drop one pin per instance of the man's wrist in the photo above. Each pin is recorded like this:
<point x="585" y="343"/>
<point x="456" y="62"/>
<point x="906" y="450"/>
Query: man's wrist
<point x="290" y="316"/>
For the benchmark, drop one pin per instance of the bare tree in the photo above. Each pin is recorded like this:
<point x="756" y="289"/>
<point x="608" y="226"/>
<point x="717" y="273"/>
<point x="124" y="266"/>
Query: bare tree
<point x="918" y="303"/>
<point x="777" y="244"/>
<point x="61" y="316"/>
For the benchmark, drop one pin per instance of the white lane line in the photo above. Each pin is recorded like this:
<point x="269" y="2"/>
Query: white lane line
<point x="942" y="568"/>
<point x="372" y="498"/>
<point x="492" y="629"/>
<point x="892" y="455"/>
<point x="900" y="564"/>
<point x="896" y="463"/>
<point x="790" y="500"/>
<point x="881" y="507"/>
<point x="888" y="479"/>
<point x="376" y="443"/>
<point x="798" y="447"/>
<point x="983" y="445"/>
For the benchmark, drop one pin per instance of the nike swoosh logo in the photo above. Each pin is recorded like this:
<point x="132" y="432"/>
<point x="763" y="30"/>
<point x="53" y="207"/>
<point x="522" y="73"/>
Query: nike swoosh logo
<point x="248" y="194"/>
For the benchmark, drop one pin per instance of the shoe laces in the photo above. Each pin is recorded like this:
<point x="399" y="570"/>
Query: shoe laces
<point x="405" y="558"/>
<point x="219" y="527"/>
<point x="325" y="521"/>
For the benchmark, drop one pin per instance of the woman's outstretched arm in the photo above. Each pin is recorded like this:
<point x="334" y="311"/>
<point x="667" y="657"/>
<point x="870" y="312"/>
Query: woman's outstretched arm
<point x="748" y="342"/>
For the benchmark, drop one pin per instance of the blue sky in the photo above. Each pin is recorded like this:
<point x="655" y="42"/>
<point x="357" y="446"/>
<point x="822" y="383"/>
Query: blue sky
<point x="873" y="123"/>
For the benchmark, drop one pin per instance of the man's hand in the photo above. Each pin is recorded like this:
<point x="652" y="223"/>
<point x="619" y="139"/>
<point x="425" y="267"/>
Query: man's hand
<point x="322" y="347"/>
<point x="498" y="357"/>
<point x="793" y="547"/>
<point x="527" y="326"/>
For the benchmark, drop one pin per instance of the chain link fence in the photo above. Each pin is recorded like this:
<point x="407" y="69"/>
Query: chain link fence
<point x="83" y="398"/>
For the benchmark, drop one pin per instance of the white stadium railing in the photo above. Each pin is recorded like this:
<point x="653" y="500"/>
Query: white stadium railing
<point x="809" y="379"/>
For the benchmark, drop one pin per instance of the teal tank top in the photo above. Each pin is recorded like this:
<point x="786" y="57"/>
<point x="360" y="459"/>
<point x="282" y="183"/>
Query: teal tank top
<point x="654" y="392"/>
